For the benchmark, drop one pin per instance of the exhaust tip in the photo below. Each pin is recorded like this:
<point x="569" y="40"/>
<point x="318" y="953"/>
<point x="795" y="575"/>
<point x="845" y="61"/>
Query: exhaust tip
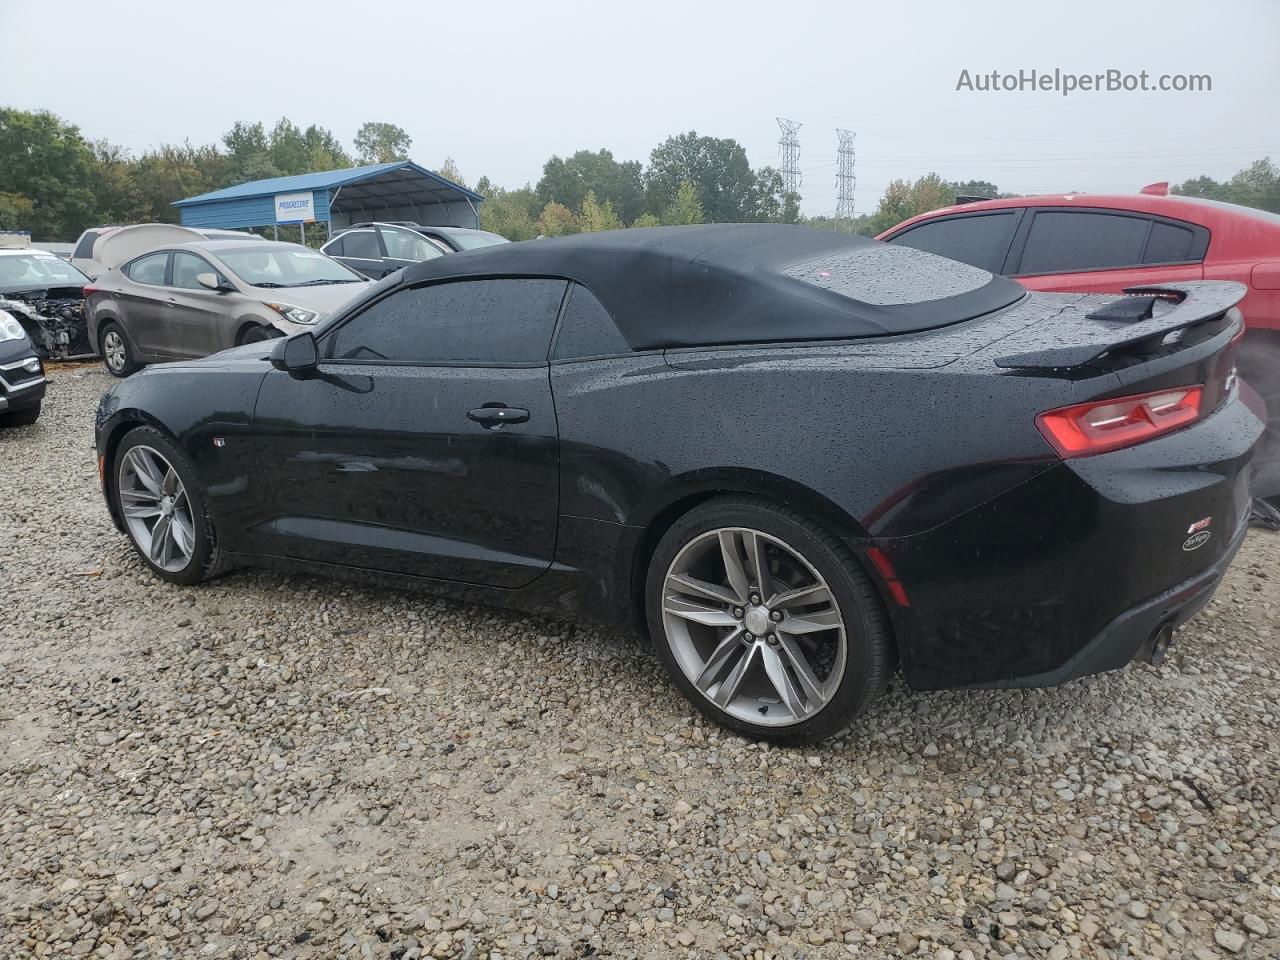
<point x="1160" y="641"/>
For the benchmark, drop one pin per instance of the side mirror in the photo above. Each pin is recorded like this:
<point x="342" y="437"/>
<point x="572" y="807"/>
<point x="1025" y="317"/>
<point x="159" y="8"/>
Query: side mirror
<point x="297" y="355"/>
<point x="209" y="281"/>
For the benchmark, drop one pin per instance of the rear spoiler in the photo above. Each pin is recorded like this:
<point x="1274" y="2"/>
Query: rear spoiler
<point x="1144" y="313"/>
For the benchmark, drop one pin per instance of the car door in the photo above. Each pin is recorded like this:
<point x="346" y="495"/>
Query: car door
<point x="1104" y="251"/>
<point x="141" y="300"/>
<point x="401" y="247"/>
<point x="425" y="441"/>
<point x="194" y="314"/>
<point x="359" y="250"/>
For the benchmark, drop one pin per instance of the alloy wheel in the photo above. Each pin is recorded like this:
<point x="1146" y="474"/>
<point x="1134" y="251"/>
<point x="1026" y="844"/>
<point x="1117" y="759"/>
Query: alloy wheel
<point x="113" y="350"/>
<point x="753" y="626"/>
<point x="156" y="508"/>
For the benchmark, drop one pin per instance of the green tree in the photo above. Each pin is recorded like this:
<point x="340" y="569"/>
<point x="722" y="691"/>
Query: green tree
<point x="449" y="170"/>
<point x="510" y="213"/>
<point x="646" y="220"/>
<point x="48" y="163"/>
<point x="904" y="199"/>
<point x="790" y="208"/>
<point x="1257" y="185"/>
<point x="685" y="208"/>
<point x="325" y="151"/>
<point x="172" y="172"/>
<point x="770" y="202"/>
<point x="15" y="211"/>
<point x="289" y="152"/>
<point x="115" y="188"/>
<point x="718" y="169"/>
<point x="597" y="215"/>
<point x="248" y="153"/>
<point x="568" y="180"/>
<point x="556" y="220"/>
<point x="382" y="143"/>
<point x="974" y="188"/>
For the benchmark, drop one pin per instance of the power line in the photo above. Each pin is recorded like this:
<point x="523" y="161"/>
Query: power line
<point x="845" y="179"/>
<point x="789" y="147"/>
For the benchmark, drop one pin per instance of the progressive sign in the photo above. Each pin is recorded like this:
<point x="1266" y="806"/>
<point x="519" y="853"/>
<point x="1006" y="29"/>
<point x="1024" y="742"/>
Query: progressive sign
<point x="295" y="208"/>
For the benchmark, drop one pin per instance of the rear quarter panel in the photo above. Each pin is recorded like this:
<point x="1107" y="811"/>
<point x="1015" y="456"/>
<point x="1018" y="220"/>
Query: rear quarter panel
<point x="879" y="449"/>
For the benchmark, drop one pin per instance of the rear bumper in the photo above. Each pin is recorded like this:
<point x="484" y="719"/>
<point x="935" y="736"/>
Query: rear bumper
<point x="1073" y="571"/>
<point x="1133" y="635"/>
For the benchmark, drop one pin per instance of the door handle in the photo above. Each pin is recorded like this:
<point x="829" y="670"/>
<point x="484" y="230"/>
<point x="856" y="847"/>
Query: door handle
<point x="493" y="417"/>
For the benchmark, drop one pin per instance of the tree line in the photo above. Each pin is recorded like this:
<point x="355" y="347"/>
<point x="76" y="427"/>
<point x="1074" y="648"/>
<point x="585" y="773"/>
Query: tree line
<point x="56" y="183"/>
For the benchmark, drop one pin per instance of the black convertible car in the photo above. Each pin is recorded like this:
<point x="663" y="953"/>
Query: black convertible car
<point x="797" y="459"/>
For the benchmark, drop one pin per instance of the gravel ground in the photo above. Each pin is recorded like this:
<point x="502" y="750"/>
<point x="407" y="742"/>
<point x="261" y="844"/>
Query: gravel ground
<point x="283" y="766"/>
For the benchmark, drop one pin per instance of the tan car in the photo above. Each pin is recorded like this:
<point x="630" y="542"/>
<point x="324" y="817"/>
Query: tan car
<point x="193" y="299"/>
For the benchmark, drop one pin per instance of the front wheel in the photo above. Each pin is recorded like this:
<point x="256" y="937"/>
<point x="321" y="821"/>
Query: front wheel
<point x="765" y="621"/>
<point x="158" y="497"/>
<point x="258" y="334"/>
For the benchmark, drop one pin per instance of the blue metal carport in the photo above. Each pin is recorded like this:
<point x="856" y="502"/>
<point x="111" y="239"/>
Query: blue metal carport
<point x="383" y="191"/>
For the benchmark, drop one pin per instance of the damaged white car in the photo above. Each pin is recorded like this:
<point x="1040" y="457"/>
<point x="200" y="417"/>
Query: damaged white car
<point x="45" y="295"/>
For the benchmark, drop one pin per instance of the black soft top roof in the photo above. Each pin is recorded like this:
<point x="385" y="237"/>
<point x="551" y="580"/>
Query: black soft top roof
<point x="744" y="283"/>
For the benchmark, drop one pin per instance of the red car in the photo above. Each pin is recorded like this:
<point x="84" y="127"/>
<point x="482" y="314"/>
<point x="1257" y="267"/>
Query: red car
<point x="1104" y="244"/>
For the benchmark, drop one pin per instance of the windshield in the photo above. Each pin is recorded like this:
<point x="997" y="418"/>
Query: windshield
<point x="286" y="267"/>
<point x="470" y="241"/>
<point x="38" y="270"/>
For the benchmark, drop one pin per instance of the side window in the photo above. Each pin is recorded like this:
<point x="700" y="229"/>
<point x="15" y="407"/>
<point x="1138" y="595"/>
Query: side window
<point x="476" y="321"/>
<point x="586" y="329"/>
<point x="407" y="245"/>
<point x="1066" y="241"/>
<point x="1169" y="244"/>
<point x="186" y="267"/>
<point x="148" y="269"/>
<point x="362" y="244"/>
<point x="333" y="248"/>
<point x="980" y="240"/>
<point x="84" y="249"/>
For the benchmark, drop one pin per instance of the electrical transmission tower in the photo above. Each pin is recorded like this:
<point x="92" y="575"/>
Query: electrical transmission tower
<point x="789" y="146"/>
<point x="845" y="179"/>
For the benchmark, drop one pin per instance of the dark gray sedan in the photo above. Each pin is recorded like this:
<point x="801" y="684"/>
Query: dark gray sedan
<point x="194" y="299"/>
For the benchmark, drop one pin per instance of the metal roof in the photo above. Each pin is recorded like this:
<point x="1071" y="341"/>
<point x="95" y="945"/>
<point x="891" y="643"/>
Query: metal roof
<point x="401" y="180"/>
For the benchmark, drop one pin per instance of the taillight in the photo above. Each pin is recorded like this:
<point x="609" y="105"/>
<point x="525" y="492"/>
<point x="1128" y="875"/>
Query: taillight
<point x="1088" y="428"/>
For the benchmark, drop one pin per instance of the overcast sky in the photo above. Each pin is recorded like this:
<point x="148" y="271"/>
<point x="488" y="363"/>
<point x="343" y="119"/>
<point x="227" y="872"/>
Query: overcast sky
<point x="500" y="86"/>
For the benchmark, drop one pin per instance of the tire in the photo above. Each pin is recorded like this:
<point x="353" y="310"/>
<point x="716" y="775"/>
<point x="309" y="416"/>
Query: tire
<point x="116" y="350"/>
<point x="849" y="659"/>
<point x="257" y="334"/>
<point x="20" y="418"/>
<point x="1259" y="366"/>
<point x="203" y="558"/>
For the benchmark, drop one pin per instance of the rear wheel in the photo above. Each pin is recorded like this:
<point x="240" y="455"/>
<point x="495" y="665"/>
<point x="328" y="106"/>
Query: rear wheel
<point x="1260" y="367"/>
<point x="158" y="497"/>
<point x="20" y="418"/>
<point x="765" y="621"/>
<point x="116" y="352"/>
